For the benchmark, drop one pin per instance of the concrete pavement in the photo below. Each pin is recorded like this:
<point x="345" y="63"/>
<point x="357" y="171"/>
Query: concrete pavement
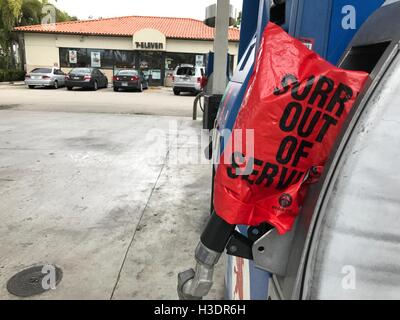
<point x="100" y="195"/>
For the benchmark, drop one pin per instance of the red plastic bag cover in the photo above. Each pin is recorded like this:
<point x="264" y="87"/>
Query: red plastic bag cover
<point x="296" y="103"/>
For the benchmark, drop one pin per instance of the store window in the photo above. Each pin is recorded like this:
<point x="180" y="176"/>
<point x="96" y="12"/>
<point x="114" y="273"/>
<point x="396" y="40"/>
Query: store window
<point x="156" y="65"/>
<point x="101" y="58"/>
<point x="124" y="59"/>
<point x="151" y="63"/>
<point x="172" y="60"/>
<point x="74" y="57"/>
<point x="96" y="58"/>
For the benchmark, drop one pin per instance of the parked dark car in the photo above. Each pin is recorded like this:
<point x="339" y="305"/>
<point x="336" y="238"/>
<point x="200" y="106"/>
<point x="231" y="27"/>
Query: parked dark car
<point x="90" y="78"/>
<point x="130" y="79"/>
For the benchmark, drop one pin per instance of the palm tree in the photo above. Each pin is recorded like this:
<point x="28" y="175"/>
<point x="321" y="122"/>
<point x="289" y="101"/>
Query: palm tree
<point x="20" y="13"/>
<point x="9" y="14"/>
<point x="31" y="12"/>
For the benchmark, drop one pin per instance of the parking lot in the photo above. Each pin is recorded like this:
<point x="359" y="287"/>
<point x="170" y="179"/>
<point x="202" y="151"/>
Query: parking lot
<point x="155" y="101"/>
<point x="92" y="182"/>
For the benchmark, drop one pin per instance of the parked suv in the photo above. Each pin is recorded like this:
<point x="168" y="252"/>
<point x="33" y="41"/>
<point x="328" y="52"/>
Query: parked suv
<point x="45" y="77"/>
<point x="187" y="78"/>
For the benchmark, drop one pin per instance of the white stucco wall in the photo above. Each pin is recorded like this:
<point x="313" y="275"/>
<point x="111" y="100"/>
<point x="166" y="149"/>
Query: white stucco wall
<point x="92" y="42"/>
<point x="40" y="50"/>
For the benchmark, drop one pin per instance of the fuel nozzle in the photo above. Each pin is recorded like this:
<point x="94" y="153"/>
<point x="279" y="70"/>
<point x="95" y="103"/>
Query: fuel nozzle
<point x="194" y="284"/>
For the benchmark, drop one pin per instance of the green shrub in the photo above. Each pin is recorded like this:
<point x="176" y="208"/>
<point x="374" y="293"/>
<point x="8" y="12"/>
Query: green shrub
<point x="11" y="75"/>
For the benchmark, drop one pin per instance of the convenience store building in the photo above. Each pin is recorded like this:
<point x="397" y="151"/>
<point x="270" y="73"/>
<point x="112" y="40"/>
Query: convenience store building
<point x="154" y="44"/>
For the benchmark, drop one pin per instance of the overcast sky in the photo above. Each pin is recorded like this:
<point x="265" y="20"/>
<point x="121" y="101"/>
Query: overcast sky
<point x="83" y="9"/>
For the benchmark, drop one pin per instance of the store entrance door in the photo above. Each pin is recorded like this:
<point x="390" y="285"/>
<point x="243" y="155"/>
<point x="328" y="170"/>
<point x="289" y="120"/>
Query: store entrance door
<point x="152" y="63"/>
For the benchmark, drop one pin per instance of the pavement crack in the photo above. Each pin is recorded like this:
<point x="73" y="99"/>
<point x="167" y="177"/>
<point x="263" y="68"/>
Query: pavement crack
<point x="138" y="224"/>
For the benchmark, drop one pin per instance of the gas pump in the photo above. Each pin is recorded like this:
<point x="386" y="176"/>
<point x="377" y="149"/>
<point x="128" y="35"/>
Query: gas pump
<point x="326" y="27"/>
<point x="209" y="112"/>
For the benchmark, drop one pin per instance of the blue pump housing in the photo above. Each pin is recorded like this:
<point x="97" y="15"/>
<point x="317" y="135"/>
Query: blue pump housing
<point x="327" y="27"/>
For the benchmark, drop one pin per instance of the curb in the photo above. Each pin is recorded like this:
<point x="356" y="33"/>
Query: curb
<point x="16" y="83"/>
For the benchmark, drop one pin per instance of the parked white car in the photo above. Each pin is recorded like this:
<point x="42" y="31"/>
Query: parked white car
<point x="187" y="78"/>
<point x="45" y="77"/>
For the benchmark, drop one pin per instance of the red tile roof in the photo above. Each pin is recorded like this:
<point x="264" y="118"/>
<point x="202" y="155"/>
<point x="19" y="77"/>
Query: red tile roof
<point x="177" y="28"/>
